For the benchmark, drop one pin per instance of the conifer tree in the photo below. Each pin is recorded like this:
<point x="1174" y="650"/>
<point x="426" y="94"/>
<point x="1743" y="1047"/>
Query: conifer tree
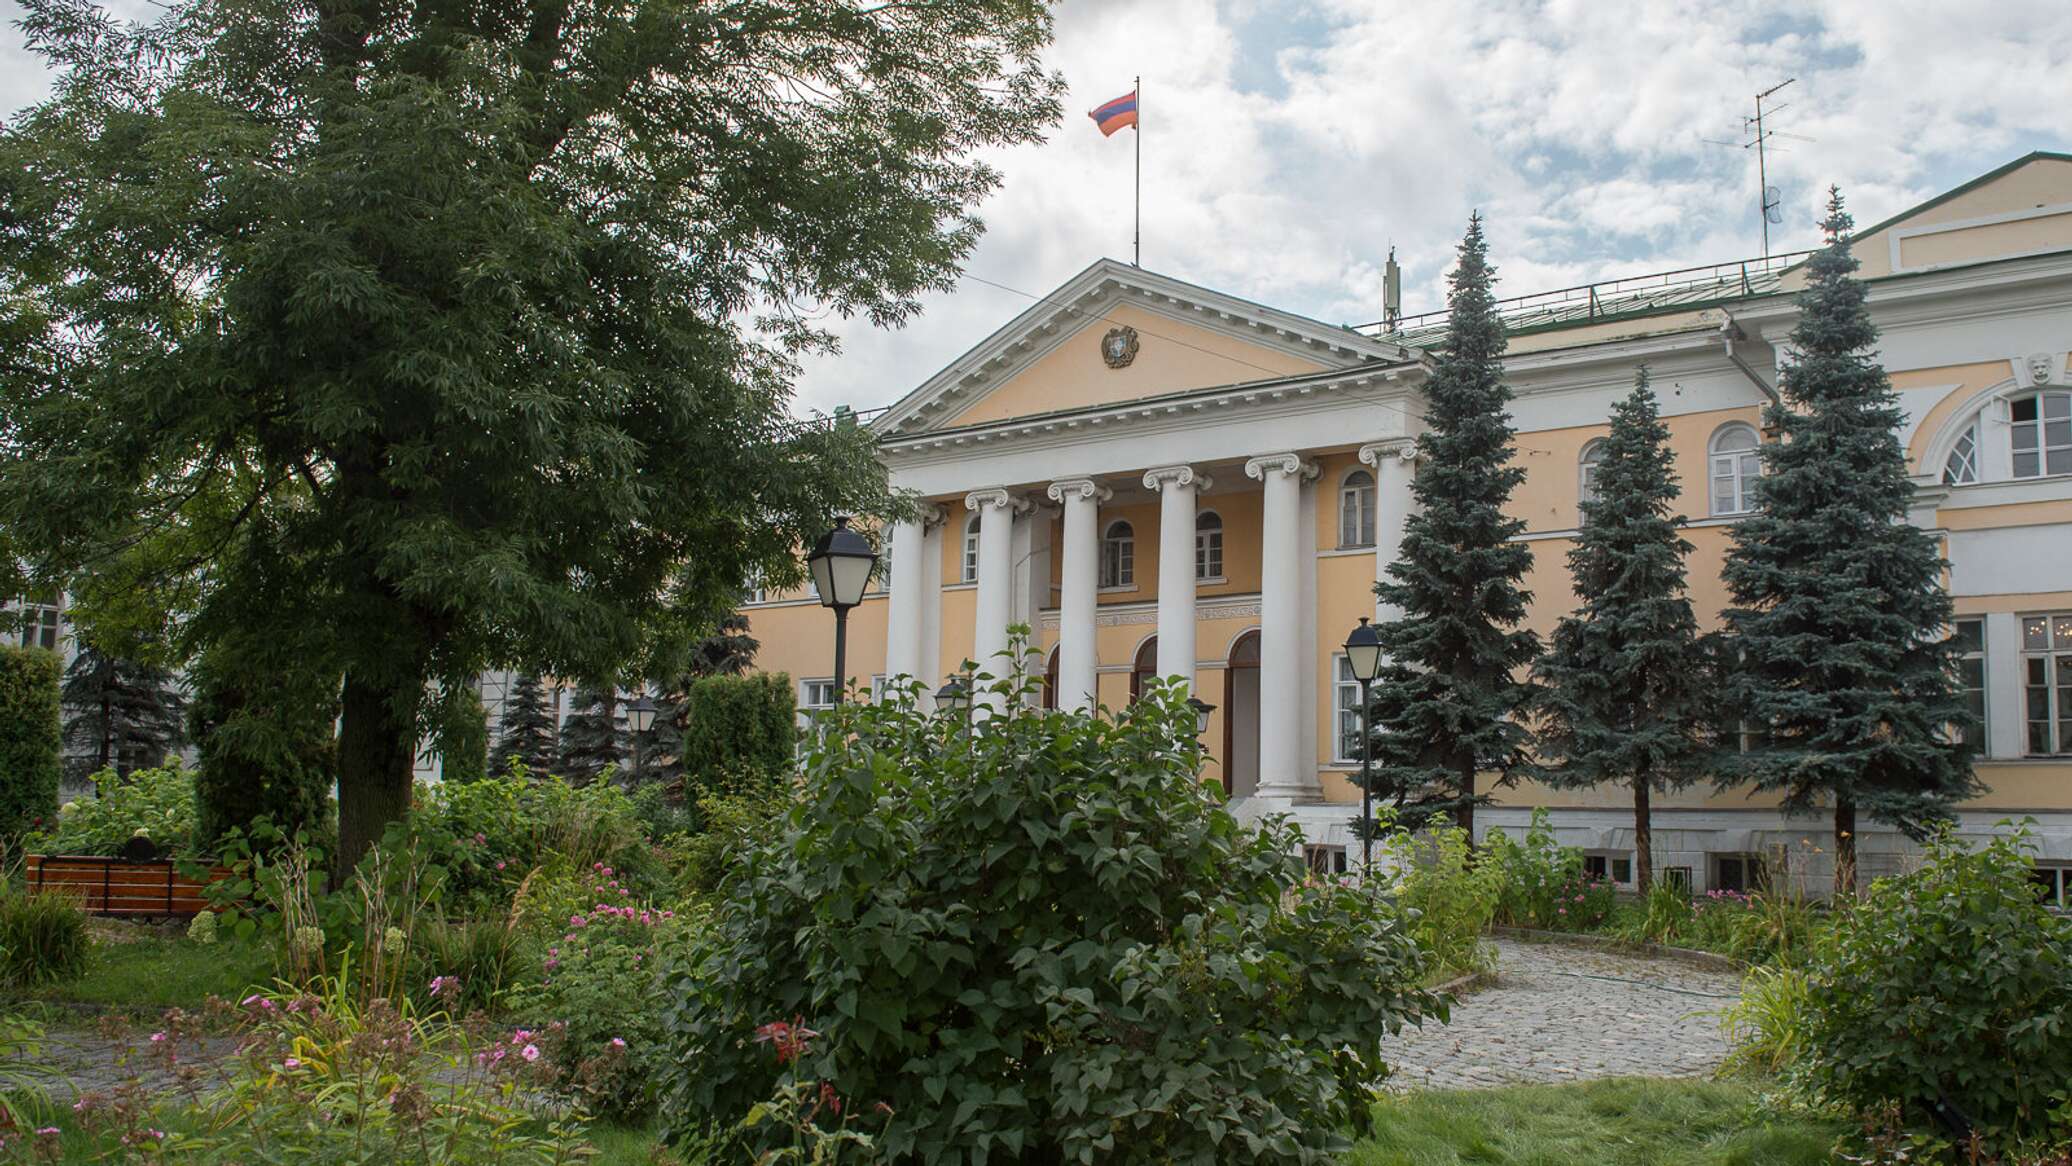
<point x="1839" y="620"/>
<point x="1444" y="707"/>
<point x="1623" y="695"/>
<point x="593" y="736"/>
<point x="526" y="730"/>
<point x="661" y="751"/>
<point x="120" y="714"/>
<point x="730" y="651"/>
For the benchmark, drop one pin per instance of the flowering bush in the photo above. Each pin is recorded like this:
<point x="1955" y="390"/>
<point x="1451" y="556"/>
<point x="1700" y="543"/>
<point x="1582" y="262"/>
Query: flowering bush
<point x="599" y="980"/>
<point x="488" y="835"/>
<point x="1046" y="938"/>
<point x="1538" y="877"/>
<point x="157" y="803"/>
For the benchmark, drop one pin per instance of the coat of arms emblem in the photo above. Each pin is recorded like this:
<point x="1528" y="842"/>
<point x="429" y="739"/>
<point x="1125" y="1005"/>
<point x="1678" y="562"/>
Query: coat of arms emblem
<point x="1119" y="346"/>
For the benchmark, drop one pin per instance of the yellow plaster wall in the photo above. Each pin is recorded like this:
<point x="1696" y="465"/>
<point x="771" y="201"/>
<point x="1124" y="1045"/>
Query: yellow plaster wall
<point x="798" y="639"/>
<point x="2043" y="182"/>
<point x="1172" y="356"/>
<point x="1969" y="244"/>
<point x="1967" y="379"/>
<point x="1552" y="458"/>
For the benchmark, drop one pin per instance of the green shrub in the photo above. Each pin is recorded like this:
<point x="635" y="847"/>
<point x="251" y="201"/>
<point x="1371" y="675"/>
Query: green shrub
<point x="487" y="835"/>
<point x="30" y="740"/>
<point x="1951" y="985"/>
<point x="481" y="960"/>
<point x="737" y="729"/>
<point x="266" y="750"/>
<point x="1537" y="877"/>
<point x="1044" y="942"/>
<point x="159" y="803"/>
<point x="460" y="732"/>
<point x="1767" y="1024"/>
<point x="43" y="937"/>
<point x="1454" y="897"/>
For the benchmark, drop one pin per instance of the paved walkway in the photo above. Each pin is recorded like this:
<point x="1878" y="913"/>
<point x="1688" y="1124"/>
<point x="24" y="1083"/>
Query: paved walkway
<point x="1563" y="1013"/>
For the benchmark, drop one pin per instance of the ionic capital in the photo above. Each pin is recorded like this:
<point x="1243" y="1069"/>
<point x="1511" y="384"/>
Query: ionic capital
<point x="1403" y="449"/>
<point x="980" y="499"/>
<point x="1163" y="476"/>
<point x="1290" y="464"/>
<point x="1066" y="489"/>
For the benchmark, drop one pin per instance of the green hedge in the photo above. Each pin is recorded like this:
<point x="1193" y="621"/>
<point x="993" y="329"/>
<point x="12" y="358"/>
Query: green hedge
<point x="30" y="738"/>
<point x="266" y="749"/>
<point x="460" y="730"/>
<point x="736" y="726"/>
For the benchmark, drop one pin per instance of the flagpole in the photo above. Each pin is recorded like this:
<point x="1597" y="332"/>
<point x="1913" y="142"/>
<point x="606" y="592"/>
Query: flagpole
<point x="1137" y="197"/>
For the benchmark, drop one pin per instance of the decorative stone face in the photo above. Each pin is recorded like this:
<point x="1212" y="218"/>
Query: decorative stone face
<point x="1119" y="346"/>
<point x="2041" y="370"/>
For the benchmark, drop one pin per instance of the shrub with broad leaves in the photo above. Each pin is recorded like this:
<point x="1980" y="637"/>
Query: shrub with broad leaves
<point x="1041" y="939"/>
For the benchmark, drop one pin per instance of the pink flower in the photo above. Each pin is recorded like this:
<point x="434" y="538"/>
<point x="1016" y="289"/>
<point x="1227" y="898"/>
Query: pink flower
<point x="158" y="1038"/>
<point x="530" y="1052"/>
<point x="48" y="1132"/>
<point x="596" y="866"/>
<point x="1561" y="910"/>
<point x="577" y="921"/>
<point x="618" y="1042"/>
<point x="499" y="864"/>
<point x="438" y="987"/>
<point x="481" y="838"/>
<point x="291" y="1064"/>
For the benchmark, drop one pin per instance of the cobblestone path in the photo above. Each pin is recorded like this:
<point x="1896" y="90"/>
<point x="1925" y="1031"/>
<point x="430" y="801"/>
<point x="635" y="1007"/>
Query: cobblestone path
<point x="1562" y="1013"/>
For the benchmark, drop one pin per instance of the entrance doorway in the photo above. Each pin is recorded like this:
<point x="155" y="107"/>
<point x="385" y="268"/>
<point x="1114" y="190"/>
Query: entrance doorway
<point x="1241" y="717"/>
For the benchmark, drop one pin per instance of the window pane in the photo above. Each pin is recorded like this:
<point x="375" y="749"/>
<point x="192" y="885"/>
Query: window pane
<point x="2057" y="405"/>
<point x="1969" y="635"/>
<point x="2022" y="409"/>
<point x="2058" y="461"/>
<point x="2061" y="626"/>
<point x="2035" y="632"/>
<point x="2026" y="465"/>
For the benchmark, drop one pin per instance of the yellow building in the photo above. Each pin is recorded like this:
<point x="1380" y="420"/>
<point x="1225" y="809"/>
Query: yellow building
<point x="1163" y="479"/>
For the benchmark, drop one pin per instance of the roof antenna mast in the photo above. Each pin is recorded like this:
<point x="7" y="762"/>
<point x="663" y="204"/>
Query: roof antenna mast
<point x="1767" y="196"/>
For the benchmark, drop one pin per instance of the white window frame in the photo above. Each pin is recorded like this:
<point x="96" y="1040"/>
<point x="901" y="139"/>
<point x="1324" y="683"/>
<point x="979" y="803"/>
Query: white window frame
<point x="1971" y="662"/>
<point x="1961" y="467"/>
<point x="755" y="591"/>
<point x="2047" y="656"/>
<point x="1737" y="465"/>
<point x="2058" y="897"/>
<point x="1326" y="860"/>
<point x="1611" y="860"/>
<point x="1754" y="871"/>
<point x="1119" y="556"/>
<point x="42" y="623"/>
<point x="1356" y="509"/>
<point x="1346" y="713"/>
<point x="1587" y="467"/>
<point x="1208" y="547"/>
<point x="970" y="571"/>
<point x="2042" y="447"/>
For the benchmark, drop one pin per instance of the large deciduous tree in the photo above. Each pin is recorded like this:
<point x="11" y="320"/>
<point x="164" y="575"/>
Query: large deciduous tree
<point x="1623" y="694"/>
<point x="1839" y="622"/>
<point x="1445" y="705"/>
<point x="462" y="334"/>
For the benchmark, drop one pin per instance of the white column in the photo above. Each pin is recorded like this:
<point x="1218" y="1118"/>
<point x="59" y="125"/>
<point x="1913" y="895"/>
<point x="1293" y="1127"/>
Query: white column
<point x="1395" y="464"/>
<point x="1176" y="486"/>
<point x="1078" y="657"/>
<point x="996" y="510"/>
<point x="903" y="606"/>
<point x="928" y="669"/>
<point x="2004" y="719"/>
<point x="1281" y="732"/>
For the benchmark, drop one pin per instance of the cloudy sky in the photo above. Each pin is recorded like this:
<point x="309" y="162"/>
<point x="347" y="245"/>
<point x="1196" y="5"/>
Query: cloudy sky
<point x="1289" y="143"/>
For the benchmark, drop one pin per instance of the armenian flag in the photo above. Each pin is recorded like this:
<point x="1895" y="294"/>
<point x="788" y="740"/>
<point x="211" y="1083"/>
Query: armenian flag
<point x="1116" y="114"/>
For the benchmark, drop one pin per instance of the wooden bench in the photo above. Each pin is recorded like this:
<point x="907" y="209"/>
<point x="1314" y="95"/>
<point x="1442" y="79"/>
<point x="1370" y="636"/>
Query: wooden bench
<point x="116" y="886"/>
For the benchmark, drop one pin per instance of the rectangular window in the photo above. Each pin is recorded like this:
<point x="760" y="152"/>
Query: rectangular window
<point x="1208" y="553"/>
<point x="40" y="621"/>
<point x="2041" y="432"/>
<point x="1608" y="867"/>
<point x="2047" y="683"/>
<point x="1740" y="873"/>
<point x="1596" y="866"/>
<point x="816" y="697"/>
<point x="1346" y="699"/>
<point x="1969" y="641"/>
<point x="1678" y="877"/>
<point x="1325" y="861"/>
<point x="2053" y="885"/>
<point x="1622" y="870"/>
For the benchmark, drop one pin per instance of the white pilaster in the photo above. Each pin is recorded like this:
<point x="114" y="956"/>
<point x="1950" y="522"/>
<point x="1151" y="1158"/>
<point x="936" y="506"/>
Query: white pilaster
<point x="1078" y="658"/>
<point x="2004" y="723"/>
<point x="1282" y="774"/>
<point x="1395" y="465"/>
<point x="996" y="511"/>
<point x="1176" y="486"/>
<point x="903" y="606"/>
<point x="929" y="669"/>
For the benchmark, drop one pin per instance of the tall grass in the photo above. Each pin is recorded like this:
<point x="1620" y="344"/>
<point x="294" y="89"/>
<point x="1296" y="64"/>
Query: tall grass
<point x="42" y="937"/>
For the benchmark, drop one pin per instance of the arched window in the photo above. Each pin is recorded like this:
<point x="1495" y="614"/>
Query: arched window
<point x="1735" y="468"/>
<point x="1593" y="460"/>
<point x="1356" y="510"/>
<point x="971" y="550"/>
<point x="1119" y="556"/>
<point x="1144" y="667"/>
<point x="1962" y="467"/>
<point x="2042" y="433"/>
<point x="1208" y="545"/>
<point x="1050" y="680"/>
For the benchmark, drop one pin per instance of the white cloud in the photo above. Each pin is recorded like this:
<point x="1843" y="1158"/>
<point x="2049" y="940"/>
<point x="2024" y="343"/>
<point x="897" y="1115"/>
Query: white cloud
<point x="1289" y="143"/>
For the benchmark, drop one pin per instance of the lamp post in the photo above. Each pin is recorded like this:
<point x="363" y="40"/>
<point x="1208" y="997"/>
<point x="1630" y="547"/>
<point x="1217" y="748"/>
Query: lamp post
<point x="1202" y="709"/>
<point x="841" y="565"/>
<point x="640" y="717"/>
<point x="1363" y="656"/>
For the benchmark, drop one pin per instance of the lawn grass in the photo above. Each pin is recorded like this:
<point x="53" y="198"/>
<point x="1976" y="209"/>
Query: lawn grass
<point x="142" y="971"/>
<point x="1630" y="1122"/>
<point x="618" y="1145"/>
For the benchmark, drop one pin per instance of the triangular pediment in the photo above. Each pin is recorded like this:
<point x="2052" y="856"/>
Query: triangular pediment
<point x="2022" y="208"/>
<point x="1116" y="333"/>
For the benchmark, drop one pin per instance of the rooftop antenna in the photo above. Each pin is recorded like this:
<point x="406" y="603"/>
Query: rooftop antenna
<point x="1768" y="196"/>
<point x="1391" y="295"/>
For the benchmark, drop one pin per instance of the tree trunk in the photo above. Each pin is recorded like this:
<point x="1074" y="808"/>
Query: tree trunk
<point x="1845" y="848"/>
<point x="1466" y="817"/>
<point x="376" y="745"/>
<point x="1643" y="836"/>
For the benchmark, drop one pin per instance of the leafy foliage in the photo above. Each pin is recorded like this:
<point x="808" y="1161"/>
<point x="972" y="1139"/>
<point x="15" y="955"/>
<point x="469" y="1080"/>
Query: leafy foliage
<point x="158" y="803"/>
<point x="739" y="733"/>
<point x="1045" y="940"/>
<point x="449" y="335"/>
<point x="1444" y="704"/>
<point x="460" y="732"/>
<point x="43" y="937"/>
<point x="266" y="747"/>
<point x="120" y="714"/>
<point x="1948" y="987"/>
<point x="1532" y="873"/>
<point x="487" y="836"/>
<point x="1840" y="612"/>
<point x="526" y="729"/>
<point x="29" y="739"/>
<point x="729" y="651"/>
<point x="593" y="735"/>
<point x="1453" y="897"/>
<point x="1623" y="695"/>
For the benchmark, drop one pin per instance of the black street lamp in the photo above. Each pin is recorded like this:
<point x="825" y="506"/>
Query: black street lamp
<point x="1202" y="709"/>
<point x="640" y="717"/>
<point x="953" y="697"/>
<point x="841" y="565"/>
<point x="1363" y="657"/>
